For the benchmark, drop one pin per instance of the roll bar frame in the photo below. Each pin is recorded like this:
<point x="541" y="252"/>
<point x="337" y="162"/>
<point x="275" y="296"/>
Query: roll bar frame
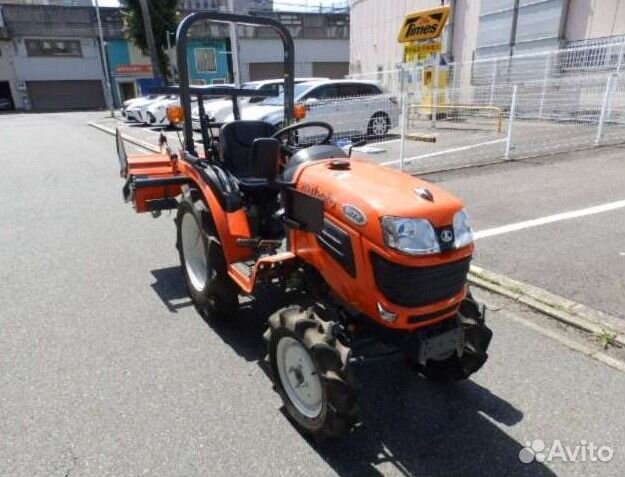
<point x="183" y="71"/>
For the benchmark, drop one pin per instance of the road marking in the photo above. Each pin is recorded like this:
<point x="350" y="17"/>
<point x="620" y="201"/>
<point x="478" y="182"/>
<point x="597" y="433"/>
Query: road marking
<point x="526" y="224"/>
<point x="385" y="142"/>
<point x="446" y="151"/>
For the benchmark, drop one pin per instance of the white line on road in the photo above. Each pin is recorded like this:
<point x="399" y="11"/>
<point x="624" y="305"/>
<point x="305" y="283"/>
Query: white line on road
<point x="446" y="151"/>
<point x="526" y="224"/>
<point x="384" y="142"/>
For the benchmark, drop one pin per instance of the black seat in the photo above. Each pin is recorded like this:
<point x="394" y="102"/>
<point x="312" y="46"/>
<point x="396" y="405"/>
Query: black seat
<point x="248" y="151"/>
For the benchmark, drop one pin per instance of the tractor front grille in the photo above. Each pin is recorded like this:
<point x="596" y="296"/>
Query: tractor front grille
<point x="419" y="286"/>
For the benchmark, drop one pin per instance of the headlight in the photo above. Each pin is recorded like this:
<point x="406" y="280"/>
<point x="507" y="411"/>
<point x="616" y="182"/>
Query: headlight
<point x="462" y="229"/>
<point x="412" y="236"/>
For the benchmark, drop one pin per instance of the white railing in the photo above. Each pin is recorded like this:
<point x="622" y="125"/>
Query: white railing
<point x="503" y="108"/>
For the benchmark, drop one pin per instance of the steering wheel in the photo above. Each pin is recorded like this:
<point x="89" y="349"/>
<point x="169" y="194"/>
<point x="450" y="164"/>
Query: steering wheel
<point x="290" y="148"/>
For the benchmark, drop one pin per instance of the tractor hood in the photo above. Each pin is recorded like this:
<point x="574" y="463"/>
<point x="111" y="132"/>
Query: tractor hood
<point x="363" y="192"/>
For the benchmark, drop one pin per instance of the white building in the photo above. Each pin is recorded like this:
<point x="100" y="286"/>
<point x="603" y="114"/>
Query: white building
<point x="482" y="28"/>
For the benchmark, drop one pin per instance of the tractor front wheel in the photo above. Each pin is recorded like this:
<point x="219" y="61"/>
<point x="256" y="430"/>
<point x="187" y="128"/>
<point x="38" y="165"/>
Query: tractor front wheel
<point x="477" y="338"/>
<point x="203" y="264"/>
<point x="309" y="368"/>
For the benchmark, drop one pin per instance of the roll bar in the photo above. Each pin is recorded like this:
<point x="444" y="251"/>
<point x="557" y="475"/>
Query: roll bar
<point x="183" y="72"/>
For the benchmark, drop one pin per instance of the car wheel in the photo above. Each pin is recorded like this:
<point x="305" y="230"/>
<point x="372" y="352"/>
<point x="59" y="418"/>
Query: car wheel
<point x="379" y="125"/>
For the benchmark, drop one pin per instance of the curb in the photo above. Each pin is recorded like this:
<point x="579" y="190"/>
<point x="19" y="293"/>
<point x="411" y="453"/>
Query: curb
<point x="582" y="348"/>
<point x="574" y="314"/>
<point x="126" y="137"/>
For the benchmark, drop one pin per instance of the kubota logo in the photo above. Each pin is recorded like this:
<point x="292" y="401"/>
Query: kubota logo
<point x="354" y="214"/>
<point x="447" y="236"/>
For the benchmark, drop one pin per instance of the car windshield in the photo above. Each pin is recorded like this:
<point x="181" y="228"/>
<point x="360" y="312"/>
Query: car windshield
<point x="300" y="89"/>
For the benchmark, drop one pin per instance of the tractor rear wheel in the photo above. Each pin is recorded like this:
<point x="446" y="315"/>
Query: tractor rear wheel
<point x="310" y="372"/>
<point x="477" y="338"/>
<point x="212" y="291"/>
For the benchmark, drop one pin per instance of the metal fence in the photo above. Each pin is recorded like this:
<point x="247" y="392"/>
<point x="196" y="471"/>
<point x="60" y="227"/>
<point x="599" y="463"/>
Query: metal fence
<point x="495" y="109"/>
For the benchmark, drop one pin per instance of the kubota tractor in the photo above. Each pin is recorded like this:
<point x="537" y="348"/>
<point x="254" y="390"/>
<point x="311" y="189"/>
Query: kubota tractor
<point x="376" y="259"/>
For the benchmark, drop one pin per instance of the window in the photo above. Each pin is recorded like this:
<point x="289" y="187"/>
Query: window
<point x="367" y="90"/>
<point x="350" y="90"/>
<point x="323" y="92"/>
<point x="53" y="48"/>
<point x="205" y="61"/>
<point x="275" y="88"/>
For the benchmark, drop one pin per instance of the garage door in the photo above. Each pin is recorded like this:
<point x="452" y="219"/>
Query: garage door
<point x="61" y="95"/>
<point x="331" y="69"/>
<point x="261" y="71"/>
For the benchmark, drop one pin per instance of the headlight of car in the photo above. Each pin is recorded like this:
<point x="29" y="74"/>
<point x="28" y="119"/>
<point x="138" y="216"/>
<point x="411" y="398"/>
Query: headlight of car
<point x="462" y="229"/>
<point x="411" y="236"/>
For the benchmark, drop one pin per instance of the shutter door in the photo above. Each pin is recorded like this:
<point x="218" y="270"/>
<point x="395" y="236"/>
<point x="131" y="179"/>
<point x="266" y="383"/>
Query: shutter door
<point x="330" y="69"/>
<point x="261" y="71"/>
<point x="63" y="95"/>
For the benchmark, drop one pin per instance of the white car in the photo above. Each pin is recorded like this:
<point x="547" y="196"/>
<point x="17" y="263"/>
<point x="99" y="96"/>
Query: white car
<point x="131" y="102"/>
<point x="220" y="109"/>
<point x="157" y="112"/>
<point x="352" y="108"/>
<point x="134" y="112"/>
<point x="154" y="113"/>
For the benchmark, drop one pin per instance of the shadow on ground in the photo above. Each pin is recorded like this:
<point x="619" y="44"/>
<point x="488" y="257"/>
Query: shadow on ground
<point x="410" y="426"/>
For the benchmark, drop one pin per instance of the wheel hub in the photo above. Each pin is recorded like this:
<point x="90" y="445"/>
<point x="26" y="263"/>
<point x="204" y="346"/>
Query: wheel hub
<point x="193" y="251"/>
<point x="299" y="377"/>
<point x="379" y="125"/>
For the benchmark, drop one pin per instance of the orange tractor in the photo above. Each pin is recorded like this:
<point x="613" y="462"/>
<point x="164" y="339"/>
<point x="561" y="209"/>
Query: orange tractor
<point x="375" y="260"/>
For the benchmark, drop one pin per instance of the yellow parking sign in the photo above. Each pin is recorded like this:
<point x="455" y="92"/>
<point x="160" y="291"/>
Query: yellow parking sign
<point x="420" y="51"/>
<point x="423" y="25"/>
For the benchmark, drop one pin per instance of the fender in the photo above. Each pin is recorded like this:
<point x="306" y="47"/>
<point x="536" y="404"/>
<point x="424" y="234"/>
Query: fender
<point x="231" y="224"/>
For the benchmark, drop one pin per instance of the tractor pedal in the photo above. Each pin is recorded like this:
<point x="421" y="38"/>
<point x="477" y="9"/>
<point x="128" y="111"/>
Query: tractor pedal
<point x="259" y="244"/>
<point x="244" y="268"/>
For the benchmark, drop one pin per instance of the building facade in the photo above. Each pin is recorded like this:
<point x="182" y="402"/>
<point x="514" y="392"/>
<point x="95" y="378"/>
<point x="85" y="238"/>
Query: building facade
<point x="482" y="28"/>
<point x="321" y="46"/>
<point x="50" y="55"/>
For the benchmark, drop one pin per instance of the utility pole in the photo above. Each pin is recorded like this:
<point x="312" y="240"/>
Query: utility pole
<point x="234" y="45"/>
<point x="107" y="79"/>
<point x="149" y="37"/>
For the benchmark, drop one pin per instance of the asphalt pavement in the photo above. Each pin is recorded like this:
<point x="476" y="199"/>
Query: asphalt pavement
<point x="581" y="258"/>
<point x="106" y="368"/>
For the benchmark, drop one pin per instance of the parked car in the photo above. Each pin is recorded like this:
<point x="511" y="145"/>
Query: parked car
<point x="145" y="109"/>
<point x="157" y="112"/>
<point x="132" y="101"/>
<point x="353" y="108"/>
<point x="134" y="112"/>
<point x="219" y="110"/>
